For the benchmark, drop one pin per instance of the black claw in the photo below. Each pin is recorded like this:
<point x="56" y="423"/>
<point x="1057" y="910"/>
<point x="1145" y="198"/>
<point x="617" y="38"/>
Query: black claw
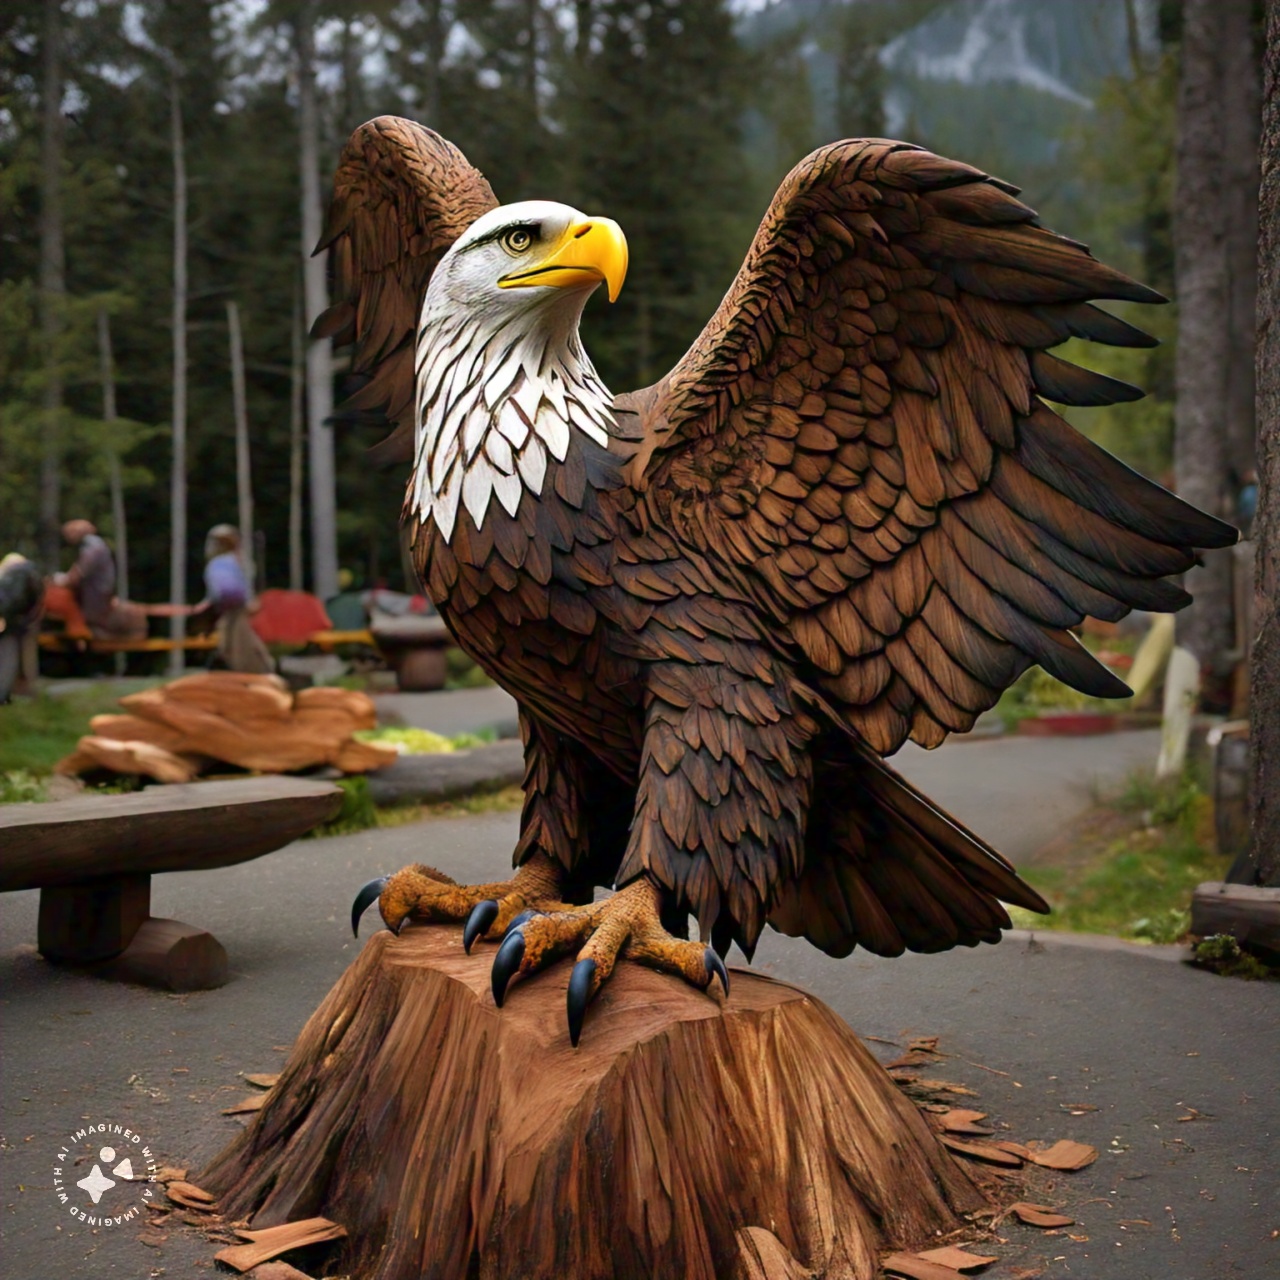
<point x="483" y="914"/>
<point x="523" y="918"/>
<point x="369" y="894"/>
<point x="716" y="969"/>
<point x="580" y="982"/>
<point x="505" y="964"/>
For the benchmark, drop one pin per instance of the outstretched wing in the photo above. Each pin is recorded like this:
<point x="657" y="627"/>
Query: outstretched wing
<point x="402" y="195"/>
<point x="858" y="440"/>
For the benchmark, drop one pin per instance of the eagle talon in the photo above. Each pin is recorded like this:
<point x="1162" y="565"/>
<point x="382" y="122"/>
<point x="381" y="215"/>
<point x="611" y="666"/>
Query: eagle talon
<point x="367" y="895"/>
<point x="523" y="918"/>
<point x="716" y="969"/>
<point x="506" y="963"/>
<point x="483" y="914"/>
<point x="581" y="990"/>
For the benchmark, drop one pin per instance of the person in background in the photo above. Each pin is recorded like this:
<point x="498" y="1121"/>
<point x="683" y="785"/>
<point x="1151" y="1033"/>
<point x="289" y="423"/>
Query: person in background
<point x="92" y="581"/>
<point x="21" y="597"/>
<point x="226" y="604"/>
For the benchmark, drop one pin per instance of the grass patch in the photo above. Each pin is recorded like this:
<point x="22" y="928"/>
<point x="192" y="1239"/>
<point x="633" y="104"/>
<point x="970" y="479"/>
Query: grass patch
<point x="1132" y="866"/>
<point x="1222" y="954"/>
<point x="359" y="813"/>
<point x="508" y="800"/>
<point x="20" y="787"/>
<point x="35" y="733"/>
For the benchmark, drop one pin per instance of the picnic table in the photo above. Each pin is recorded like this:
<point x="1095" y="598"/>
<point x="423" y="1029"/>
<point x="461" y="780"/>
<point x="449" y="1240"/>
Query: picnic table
<point x="92" y="858"/>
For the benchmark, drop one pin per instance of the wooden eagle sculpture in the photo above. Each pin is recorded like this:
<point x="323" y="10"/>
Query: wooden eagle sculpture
<point x="845" y="518"/>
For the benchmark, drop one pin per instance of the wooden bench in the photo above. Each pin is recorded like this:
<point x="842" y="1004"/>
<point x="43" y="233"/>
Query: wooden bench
<point x="62" y="642"/>
<point x="92" y="859"/>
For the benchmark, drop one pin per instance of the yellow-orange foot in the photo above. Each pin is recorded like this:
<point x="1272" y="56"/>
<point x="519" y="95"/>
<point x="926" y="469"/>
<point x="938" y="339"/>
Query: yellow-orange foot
<point x="627" y="925"/>
<point x="423" y="894"/>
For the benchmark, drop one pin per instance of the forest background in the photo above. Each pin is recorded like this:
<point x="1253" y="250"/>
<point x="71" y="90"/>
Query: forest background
<point x="676" y="117"/>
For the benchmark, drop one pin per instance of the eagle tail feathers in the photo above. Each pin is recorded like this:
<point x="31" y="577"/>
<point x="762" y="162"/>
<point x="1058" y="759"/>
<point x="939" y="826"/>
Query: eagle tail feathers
<point x="887" y="870"/>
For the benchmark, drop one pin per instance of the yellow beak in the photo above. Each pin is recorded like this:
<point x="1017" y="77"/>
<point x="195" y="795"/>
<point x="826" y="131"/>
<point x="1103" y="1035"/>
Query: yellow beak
<point x="591" y="250"/>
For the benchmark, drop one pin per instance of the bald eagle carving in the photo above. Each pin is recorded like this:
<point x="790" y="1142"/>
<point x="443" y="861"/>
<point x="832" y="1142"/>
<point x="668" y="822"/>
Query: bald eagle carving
<point x="846" y="518"/>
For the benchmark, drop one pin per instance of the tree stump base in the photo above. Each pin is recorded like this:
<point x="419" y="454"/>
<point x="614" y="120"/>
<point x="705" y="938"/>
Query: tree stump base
<point x="455" y="1140"/>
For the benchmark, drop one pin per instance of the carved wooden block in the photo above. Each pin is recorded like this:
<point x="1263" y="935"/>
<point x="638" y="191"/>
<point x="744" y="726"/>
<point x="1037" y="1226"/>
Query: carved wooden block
<point x="453" y="1139"/>
<point x="173" y="955"/>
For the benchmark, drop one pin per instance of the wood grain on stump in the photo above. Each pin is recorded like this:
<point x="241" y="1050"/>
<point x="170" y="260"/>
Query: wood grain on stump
<point x="453" y="1140"/>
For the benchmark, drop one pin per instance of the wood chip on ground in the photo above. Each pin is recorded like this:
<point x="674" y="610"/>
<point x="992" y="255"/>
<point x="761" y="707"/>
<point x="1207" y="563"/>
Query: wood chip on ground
<point x="273" y="1241"/>
<point x="958" y="1258"/>
<point x="912" y="1058"/>
<point x="167" y="1173"/>
<point x="252" y="1103"/>
<point x="277" y="1271"/>
<point x="190" y="1196"/>
<point x="1014" y="1148"/>
<point x="914" y="1267"/>
<point x="943" y="1086"/>
<point x="964" y="1120"/>
<point x="985" y="1151"/>
<point x="1065" y="1155"/>
<point x="262" y="1079"/>
<point x="1040" y="1215"/>
<point x="924" y="1044"/>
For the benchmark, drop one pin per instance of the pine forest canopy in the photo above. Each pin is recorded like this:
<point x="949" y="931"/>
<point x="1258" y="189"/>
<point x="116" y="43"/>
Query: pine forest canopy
<point x="613" y="105"/>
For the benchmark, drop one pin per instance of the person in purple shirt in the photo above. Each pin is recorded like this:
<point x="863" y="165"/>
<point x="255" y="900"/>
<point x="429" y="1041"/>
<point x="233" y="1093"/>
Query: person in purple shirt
<point x="226" y="603"/>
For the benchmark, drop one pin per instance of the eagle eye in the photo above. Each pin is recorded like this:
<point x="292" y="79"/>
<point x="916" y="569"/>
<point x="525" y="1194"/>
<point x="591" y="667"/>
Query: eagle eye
<point x="518" y="239"/>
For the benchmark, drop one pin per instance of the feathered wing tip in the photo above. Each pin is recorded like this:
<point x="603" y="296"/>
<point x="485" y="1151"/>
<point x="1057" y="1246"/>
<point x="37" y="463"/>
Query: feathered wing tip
<point x="887" y="870"/>
<point x="863" y="430"/>
<point x="401" y="196"/>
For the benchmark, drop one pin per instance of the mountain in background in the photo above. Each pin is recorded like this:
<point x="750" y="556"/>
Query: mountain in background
<point x="998" y="83"/>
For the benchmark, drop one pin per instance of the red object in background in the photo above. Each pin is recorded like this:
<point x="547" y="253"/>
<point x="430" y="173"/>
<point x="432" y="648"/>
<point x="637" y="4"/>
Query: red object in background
<point x="1067" y="724"/>
<point x="60" y="604"/>
<point x="1116" y="661"/>
<point x="289" y="617"/>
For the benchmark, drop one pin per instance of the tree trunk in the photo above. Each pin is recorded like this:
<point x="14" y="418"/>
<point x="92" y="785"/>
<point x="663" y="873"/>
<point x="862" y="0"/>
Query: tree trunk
<point x="453" y="1139"/>
<point x="582" y="31"/>
<point x="1264" y="701"/>
<point x="244" y="476"/>
<point x="1204" y="346"/>
<point x="107" y="373"/>
<point x="53" y="284"/>
<point x="324" y="536"/>
<point x="295" y="448"/>
<point x="1239" y="145"/>
<point x="433" y="47"/>
<point x="178" y="477"/>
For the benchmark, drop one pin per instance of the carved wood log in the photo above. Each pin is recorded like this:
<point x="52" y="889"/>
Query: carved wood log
<point x="453" y="1139"/>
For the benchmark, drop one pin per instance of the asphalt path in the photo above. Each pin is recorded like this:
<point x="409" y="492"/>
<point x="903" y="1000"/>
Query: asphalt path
<point x="1016" y="792"/>
<point x="1033" y="1025"/>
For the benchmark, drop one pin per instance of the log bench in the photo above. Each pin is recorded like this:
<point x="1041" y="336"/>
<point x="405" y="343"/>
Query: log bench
<point x="65" y="642"/>
<point x="92" y="858"/>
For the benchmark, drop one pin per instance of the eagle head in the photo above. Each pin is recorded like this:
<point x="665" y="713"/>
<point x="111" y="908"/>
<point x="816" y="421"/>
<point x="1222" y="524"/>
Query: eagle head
<point x="530" y="255"/>
<point x="502" y="379"/>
